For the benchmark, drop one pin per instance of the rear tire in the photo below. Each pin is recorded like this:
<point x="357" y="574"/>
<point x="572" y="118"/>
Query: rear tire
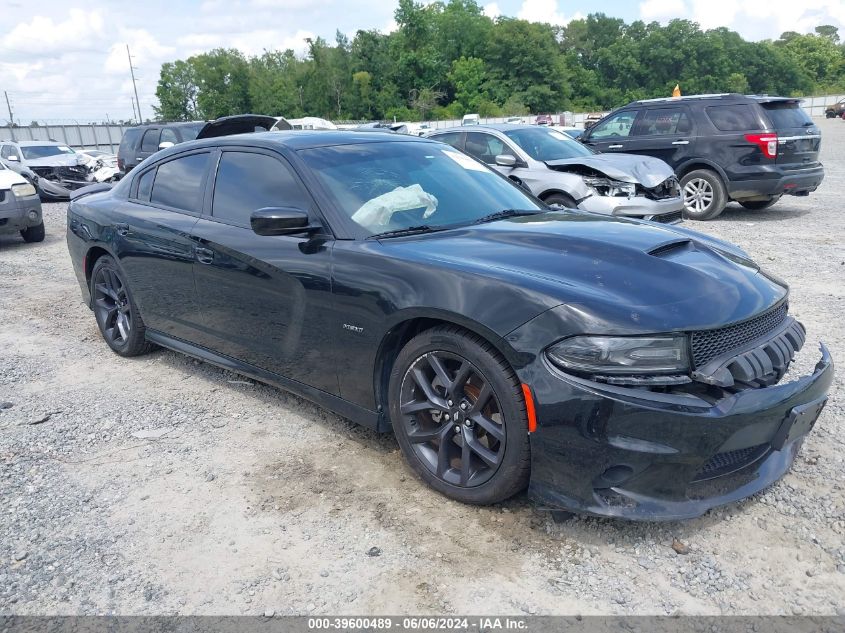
<point x="33" y="233"/>
<point x="759" y="205"/>
<point x="487" y="459"/>
<point x="562" y="199"/>
<point x="117" y="315"/>
<point x="704" y="194"/>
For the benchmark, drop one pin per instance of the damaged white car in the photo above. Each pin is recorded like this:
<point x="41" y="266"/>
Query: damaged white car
<point x="58" y="168"/>
<point x="559" y="170"/>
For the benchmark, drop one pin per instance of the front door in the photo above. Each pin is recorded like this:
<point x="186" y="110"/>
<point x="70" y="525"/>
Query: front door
<point x="612" y="134"/>
<point x="666" y="133"/>
<point x="266" y="300"/>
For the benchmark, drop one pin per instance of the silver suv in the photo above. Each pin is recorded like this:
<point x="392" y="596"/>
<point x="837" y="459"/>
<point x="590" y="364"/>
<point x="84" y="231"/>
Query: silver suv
<point x="559" y="170"/>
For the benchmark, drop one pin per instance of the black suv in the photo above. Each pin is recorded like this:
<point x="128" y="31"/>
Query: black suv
<point x="751" y="149"/>
<point x="144" y="140"/>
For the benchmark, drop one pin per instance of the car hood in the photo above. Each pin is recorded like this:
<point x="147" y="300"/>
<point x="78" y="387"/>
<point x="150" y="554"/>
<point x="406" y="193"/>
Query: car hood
<point x="237" y="124"/>
<point x="645" y="170"/>
<point x="59" y="160"/>
<point x="619" y="274"/>
<point x="9" y="178"/>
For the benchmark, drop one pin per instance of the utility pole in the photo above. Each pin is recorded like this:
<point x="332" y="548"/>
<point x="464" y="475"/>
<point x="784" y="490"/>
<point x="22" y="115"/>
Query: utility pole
<point x="133" y="106"/>
<point x="134" y="85"/>
<point x="11" y="118"/>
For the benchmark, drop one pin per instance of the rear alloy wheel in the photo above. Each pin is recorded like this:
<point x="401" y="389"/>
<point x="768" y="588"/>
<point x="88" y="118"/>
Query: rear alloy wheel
<point x="759" y="205"/>
<point x="33" y="234"/>
<point x="459" y="416"/>
<point x="704" y="195"/>
<point x="118" y="319"/>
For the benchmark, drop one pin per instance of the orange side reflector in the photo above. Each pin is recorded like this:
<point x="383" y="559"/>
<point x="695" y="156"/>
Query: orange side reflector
<point x="529" y="408"/>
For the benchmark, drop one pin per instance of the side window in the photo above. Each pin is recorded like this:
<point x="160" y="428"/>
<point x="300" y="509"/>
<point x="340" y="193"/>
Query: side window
<point x="178" y="183"/>
<point x="450" y="138"/>
<point x="150" y="141"/>
<point x="247" y="182"/>
<point x="485" y="147"/>
<point x="615" y="125"/>
<point x="6" y="151"/>
<point x="145" y="185"/>
<point x="661" y="121"/>
<point x="168" y="135"/>
<point x="732" y="118"/>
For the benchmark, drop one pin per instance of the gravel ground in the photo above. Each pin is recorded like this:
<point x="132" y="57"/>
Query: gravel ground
<point x="161" y="485"/>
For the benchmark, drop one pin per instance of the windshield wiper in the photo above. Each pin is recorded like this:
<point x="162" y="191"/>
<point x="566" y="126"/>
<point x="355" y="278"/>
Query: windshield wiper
<point x="505" y="213"/>
<point x="411" y="230"/>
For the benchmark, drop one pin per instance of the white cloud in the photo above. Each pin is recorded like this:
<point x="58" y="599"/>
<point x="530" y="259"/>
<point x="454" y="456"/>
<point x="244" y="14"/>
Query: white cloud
<point x="753" y="19"/>
<point x="492" y="10"/>
<point x="545" y="11"/>
<point x="43" y="35"/>
<point x="651" y="10"/>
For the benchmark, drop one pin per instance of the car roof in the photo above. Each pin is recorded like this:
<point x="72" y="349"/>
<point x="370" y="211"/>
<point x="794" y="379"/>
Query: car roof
<point x="301" y="139"/>
<point x="34" y="143"/>
<point x="725" y="96"/>
<point x="499" y="127"/>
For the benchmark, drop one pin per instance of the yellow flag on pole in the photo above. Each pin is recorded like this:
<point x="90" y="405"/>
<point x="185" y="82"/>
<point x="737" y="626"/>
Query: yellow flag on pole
<point x="677" y="91"/>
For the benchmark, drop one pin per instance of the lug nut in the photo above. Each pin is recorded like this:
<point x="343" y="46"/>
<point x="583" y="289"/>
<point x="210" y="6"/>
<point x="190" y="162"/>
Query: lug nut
<point x="446" y="415"/>
<point x="464" y="406"/>
<point x="450" y="403"/>
<point x="457" y="428"/>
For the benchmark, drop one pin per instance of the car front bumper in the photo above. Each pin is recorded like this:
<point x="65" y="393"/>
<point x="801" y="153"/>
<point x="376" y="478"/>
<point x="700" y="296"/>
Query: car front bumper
<point x="637" y="454"/>
<point x="17" y="214"/>
<point x="635" y="206"/>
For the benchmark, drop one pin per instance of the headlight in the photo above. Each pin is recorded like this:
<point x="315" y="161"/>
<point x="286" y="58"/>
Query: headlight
<point x="610" y="187"/>
<point x="23" y="190"/>
<point x="621" y="355"/>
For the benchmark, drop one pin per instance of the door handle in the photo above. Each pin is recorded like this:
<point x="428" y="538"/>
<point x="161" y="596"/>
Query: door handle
<point x="614" y="147"/>
<point x="680" y="142"/>
<point x="204" y="255"/>
<point x="122" y="229"/>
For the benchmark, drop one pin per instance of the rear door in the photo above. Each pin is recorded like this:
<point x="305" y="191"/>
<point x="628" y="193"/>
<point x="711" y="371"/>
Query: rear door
<point x="154" y="244"/>
<point x="799" y="140"/>
<point x="612" y="134"/>
<point x="665" y="132"/>
<point x="149" y="143"/>
<point x="265" y="300"/>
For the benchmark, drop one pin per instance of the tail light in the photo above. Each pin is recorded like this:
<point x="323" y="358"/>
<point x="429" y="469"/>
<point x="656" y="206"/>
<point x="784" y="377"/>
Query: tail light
<point x="768" y="143"/>
<point x="120" y="164"/>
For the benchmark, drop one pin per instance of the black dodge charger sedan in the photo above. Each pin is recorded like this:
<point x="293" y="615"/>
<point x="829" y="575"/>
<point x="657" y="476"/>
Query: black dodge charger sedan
<point x="615" y="367"/>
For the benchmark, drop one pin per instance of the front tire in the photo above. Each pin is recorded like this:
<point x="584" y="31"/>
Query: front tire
<point x="704" y="194"/>
<point x="759" y="205"/>
<point x="33" y="234"/>
<point x="116" y="313"/>
<point x="562" y="199"/>
<point x="459" y="416"/>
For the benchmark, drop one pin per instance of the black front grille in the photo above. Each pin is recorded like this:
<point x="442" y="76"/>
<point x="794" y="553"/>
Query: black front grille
<point x="730" y="461"/>
<point x="669" y="188"/>
<point x="45" y="172"/>
<point x="668" y="218"/>
<point x="710" y="344"/>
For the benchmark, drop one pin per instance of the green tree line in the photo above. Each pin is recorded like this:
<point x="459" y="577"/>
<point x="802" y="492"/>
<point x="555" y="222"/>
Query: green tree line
<point x="447" y="58"/>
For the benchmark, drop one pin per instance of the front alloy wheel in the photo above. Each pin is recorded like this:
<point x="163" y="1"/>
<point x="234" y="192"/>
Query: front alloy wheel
<point x="704" y="194"/>
<point x="459" y="415"/>
<point x="452" y="419"/>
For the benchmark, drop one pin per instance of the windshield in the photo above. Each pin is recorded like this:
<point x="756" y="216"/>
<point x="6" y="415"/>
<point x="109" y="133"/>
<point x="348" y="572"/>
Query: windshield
<point x="31" y="152"/>
<point x="544" y="144"/>
<point x="398" y="185"/>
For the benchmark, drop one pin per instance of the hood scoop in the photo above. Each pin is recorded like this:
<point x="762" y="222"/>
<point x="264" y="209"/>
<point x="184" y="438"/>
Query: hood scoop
<point x="672" y="247"/>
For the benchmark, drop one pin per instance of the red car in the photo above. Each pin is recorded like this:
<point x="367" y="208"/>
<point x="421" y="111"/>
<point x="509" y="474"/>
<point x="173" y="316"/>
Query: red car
<point x="544" y="119"/>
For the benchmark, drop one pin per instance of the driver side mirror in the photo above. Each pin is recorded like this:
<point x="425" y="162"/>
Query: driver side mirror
<point x="281" y="221"/>
<point x="506" y="160"/>
<point x="165" y="145"/>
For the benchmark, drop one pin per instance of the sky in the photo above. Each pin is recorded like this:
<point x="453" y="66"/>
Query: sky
<point x="63" y="60"/>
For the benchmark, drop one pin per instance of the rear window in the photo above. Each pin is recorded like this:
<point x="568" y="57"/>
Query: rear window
<point x="732" y="118"/>
<point x="130" y="137"/>
<point x="785" y="115"/>
<point x="178" y="183"/>
<point x="189" y="132"/>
